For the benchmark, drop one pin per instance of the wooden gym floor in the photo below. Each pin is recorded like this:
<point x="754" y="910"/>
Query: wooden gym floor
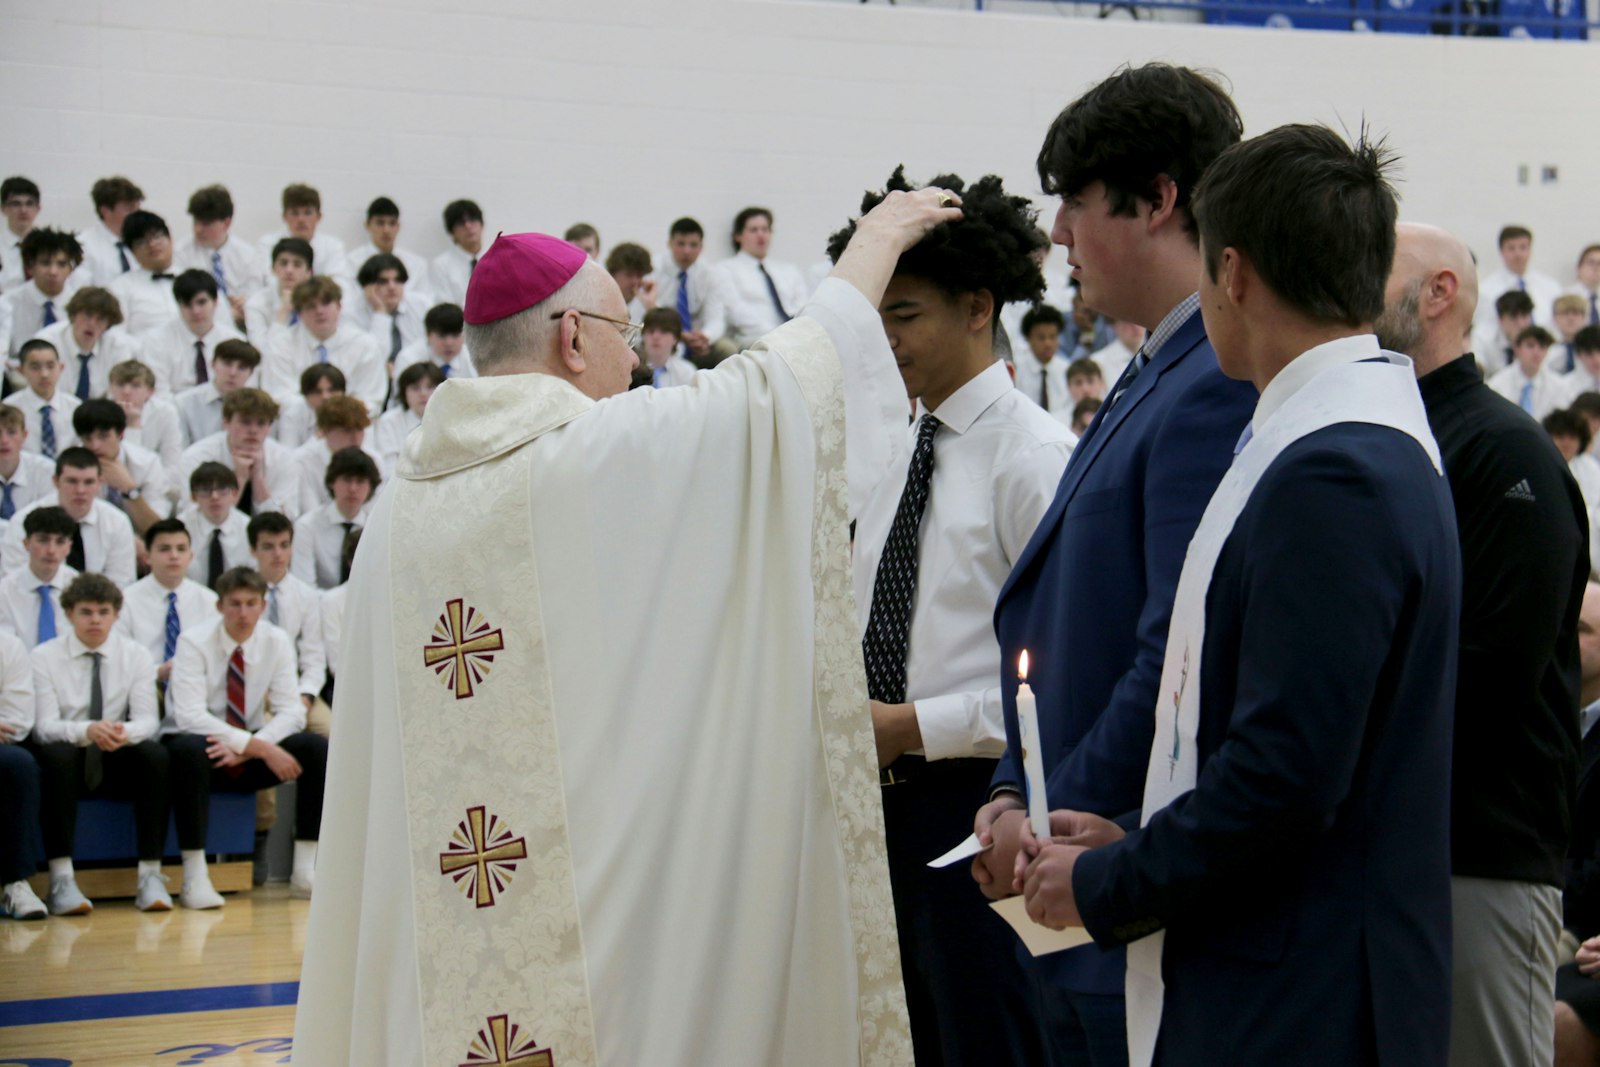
<point x="121" y="988"/>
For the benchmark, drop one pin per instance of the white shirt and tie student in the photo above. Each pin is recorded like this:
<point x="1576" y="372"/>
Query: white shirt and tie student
<point x="237" y="724"/>
<point x="322" y="338"/>
<point x="132" y="479"/>
<point x="450" y="270"/>
<point x="46" y="408"/>
<point x="297" y="415"/>
<point x="239" y="268"/>
<point x="319" y="534"/>
<point x="106" y="257"/>
<point x="216" y="526"/>
<point x="342" y="422"/>
<point x="103" y="541"/>
<point x="331" y="258"/>
<point x="268" y="479"/>
<point x="694" y="288"/>
<point x="30" y="596"/>
<point x="89" y="342"/>
<point x="1528" y="382"/>
<point x="443" y="346"/>
<point x="272" y="308"/>
<point x="24" y="476"/>
<point x="200" y="406"/>
<point x="42" y="302"/>
<point x="293" y="606"/>
<point x="387" y="309"/>
<point x="762" y="295"/>
<point x="181" y="352"/>
<point x="94" y="734"/>
<point x="159" y="606"/>
<point x="415" y="387"/>
<point x="146" y="299"/>
<point x="152" y="420"/>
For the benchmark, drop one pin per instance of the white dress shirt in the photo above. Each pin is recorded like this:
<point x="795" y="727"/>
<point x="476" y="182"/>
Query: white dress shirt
<point x="332" y="625"/>
<point x="319" y="544"/>
<point x="261" y="315"/>
<point x="19" y="602"/>
<point x="149" y="474"/>
<point x="244" y="272"/>
<point x="63" y="672"/>
<point x="143" y="618"/>
<point x="107" y="541"/>
<point x="449" y="273"/>
<point x="751" y="313"/>
<point x="12" y="273"/>
<point x="160" y="432"/>
<point x="283" y="478"/>
<point x="23" y="311"/>
<point x="33" y="480"/>
<point x="1111" y="360"/>
<point x="298" y="608"/>
<point x="997" y="460"/>
<point x="409" y="314"/>
<point x="199" y="412"/>
<point x="677" y="370"/>
<point x="389" y="437"/>
<point x="311" y="459"/>
<point x="418" y="279"/>
<point x="296" y="422"/>
<point x="422" y="352"/>
<point x="198" y="698"/>
<point x="327" y="253"/>
<point x="61" y="408"/>
<point x="147" y="302"/>
<point x="289" y="352"/>
<point x="1579" y="380"/>
<point x="114" y="346"/>
<point x="1550" y="390"/>
<point x="708" y="295"/>
<point x="16" y="688"/>
<point x="104" y="256"/>
<point x="1538" y="285"/>
<point x="1030" y="373"/>
<point x="170" y="351"/>
<point x="235" y="541"/>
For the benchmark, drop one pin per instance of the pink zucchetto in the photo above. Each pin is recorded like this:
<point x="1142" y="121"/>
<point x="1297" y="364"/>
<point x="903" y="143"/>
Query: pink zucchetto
<point x="518" y="271"/>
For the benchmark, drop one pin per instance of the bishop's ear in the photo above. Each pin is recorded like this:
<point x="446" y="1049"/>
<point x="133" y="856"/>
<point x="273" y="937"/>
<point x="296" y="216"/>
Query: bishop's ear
<point x="571" y="342"/>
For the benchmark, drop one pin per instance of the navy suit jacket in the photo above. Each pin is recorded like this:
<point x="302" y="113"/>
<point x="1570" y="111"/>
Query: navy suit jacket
<point x="1304" y="884"/>
<point x="1091" y="595"/>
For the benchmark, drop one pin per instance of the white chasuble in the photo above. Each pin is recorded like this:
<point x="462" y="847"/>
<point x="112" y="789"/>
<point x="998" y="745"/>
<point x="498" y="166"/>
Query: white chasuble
<point x="1351" y="381"/>
<point x="603" y="785"/>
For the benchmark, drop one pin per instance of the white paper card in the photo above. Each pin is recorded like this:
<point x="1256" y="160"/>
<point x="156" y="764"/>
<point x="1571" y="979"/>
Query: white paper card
<point x="1040" y="940"/>
<point x="966" y="850"/>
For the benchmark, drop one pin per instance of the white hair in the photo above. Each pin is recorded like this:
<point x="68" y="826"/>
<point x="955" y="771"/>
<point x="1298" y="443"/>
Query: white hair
<point x="526" y="340"/>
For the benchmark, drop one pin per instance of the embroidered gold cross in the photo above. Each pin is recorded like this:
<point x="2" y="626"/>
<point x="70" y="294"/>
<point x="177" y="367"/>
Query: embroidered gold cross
<point x="460" y="650"/>
<point x="498" y="1042"/>
<point x="482" y="856"/>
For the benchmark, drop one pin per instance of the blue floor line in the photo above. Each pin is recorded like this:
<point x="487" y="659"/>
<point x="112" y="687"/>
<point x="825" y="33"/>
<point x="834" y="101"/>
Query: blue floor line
<point x="151" y="1002"/>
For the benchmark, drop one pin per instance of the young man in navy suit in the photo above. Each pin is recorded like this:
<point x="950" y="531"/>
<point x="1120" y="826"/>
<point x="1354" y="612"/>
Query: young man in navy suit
<point x="1287" y="898"/>
<point x="1090" y="596"/>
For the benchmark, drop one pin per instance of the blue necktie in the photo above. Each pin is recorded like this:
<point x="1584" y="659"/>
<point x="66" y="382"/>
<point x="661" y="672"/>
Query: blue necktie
<point x="1527" y="398"/>
<point x="47" y="434"/>
<point x="47" y="615"/>
<point x="445" y="368"/>
<point x="216" y="272"/>
<point x="8" y="507"/>
<point x="322" y="353"/>
<point x="772" y="291"/>
<point x="83" y="374"/>
<point x="49" y="314"/>
<point x="683" y="300"/>
<point x="122" y="256"/>
<point x="294" y="318"/>
<point x="1594" y="309"/>
<point x="659" y="378"/>
<point x="170" y="647"/>
<point x="1522" y="284"/>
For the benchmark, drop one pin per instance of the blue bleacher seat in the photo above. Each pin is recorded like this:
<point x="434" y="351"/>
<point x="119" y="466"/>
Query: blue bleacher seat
<point x="105" y="829"/>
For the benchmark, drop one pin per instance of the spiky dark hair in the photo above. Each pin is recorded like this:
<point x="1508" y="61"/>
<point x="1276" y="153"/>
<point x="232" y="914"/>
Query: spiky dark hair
<point x="989" y="247"/>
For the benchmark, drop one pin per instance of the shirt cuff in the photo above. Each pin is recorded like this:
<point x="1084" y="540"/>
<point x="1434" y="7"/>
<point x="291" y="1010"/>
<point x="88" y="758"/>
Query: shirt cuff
<point x="952" y="728"/>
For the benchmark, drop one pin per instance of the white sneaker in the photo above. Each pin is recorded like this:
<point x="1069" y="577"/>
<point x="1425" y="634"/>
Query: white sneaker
<point x="153" y="895"/>
<point x="67" y="899"/>
<point x="19" y="901"/>
<point x="199" y="894"/>
<point x="300" y="886"/>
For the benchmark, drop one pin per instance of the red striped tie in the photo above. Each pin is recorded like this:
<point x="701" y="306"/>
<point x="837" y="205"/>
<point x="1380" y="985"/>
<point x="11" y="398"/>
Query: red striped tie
<point x="236" y="688"/>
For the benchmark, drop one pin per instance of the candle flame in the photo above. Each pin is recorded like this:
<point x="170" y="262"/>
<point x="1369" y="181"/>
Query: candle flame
<point x="1022" y="666"/>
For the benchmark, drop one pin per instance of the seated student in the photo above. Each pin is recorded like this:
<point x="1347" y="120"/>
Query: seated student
<point x="1585" y="375"/>
<point x="239" y="738"/>
<point x="152" y="420"/>
<point x="30" y="596"/>
<point x="302" y="214"/>
<point x="50" y="257"/>
<point x="1495" y="350"/>
<point x="94" y="734"/>
<point x="389" y="311"/>
<point x="46" y="409"/>
<point x="131" y="477"/>
<point x="693" y="288"/>
<point x="294" y="607"/>
<point x="268" y="478"/>
<point x="1039" y="374"/>
<point x="443" y="346"/>
<point x="297" y="415"/>
<point x="181" y="351"/>
<point x="1084" y="379"/>
<point x="106" y="256"/>
<point x="448" y="274"/>
<point x="663" y="365"/>
<point x="88" y="345"/>
<point x="145" y="292"/>
<point x="1571" y="314"/>
<point x="333" y="614"/>
<point x="235" y="266"/>
<point x="1527" y="382"/>
<point x="162" y="604"/>
<point x="19" y="202"/>
<point x="272" y="307"/>
<point x="342" y="423"/>
<point x="103" y="542"/>
<point x="351" y="480"/>
<point x="216" y="527"/>
<point x="322" y="338"/>
<point x="629" y="266"/>
<point x="415" y="388"/>
<point x="24" y="476"/>
<point x="19" y="786"/>
<point x="1083" y="413"/>
<point x="1120" y="352"/>
<point x="199" y="407"/>
<point x="1087" y="334"/>
<point x="383" y="231"/>
<point x="585" y="237"/>
<point x="1571" y="434"/>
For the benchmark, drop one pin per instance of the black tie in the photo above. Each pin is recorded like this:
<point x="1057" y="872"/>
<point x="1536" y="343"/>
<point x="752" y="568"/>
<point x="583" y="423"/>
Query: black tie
<point x="894" y="590"/>
<point x="214" y="564"/>
<point x="202" y="373"/>
<point x="344" y="568"/>
<point x="772" y="290"/>
<point x="75" y="554"/>
<point x="1044" y="386"/>
<point x="94" y="771"/>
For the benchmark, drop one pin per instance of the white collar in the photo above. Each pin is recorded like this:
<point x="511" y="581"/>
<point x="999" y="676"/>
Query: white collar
<point x="963" y="407"/>
<point x="1306" y="366"/>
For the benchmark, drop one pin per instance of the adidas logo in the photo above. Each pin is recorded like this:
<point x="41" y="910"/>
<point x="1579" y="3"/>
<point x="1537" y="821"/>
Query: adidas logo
<point x="1521" y="491"/>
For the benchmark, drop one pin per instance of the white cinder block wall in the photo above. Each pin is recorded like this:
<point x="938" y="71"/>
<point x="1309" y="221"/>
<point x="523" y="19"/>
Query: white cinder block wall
<point x="628" y="113"/>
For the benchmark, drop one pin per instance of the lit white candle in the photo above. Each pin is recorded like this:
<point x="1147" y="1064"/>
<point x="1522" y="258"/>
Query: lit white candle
<point x="1032" y="758"/>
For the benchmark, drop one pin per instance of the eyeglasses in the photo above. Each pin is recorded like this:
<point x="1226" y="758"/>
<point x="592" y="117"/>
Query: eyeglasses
<point x="632" y="332"/>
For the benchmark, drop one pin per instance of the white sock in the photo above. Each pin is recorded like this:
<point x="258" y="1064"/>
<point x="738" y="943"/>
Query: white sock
<point x="149" y="867"/>
<point x="194" y="865"/>
<point x="305" y="857"/>
<point x="61" y="868"/>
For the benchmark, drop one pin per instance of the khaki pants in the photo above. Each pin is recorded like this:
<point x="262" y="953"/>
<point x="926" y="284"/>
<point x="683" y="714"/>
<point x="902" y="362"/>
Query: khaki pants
<point x="1504" y="973"/>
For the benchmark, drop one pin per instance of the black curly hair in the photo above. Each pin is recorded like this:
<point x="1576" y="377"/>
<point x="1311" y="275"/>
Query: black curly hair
<point x="989" y="248"/>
